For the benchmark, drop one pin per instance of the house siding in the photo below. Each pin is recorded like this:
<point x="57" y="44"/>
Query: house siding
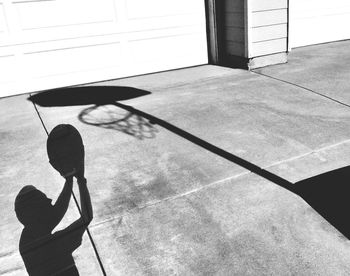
<point x="268" y="27"/>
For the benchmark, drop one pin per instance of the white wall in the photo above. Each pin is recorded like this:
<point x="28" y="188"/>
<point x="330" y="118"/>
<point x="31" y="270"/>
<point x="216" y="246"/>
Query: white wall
<point x="318" y="21"/>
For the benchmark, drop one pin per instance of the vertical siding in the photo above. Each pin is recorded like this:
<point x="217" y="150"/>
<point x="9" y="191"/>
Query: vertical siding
<point x="234" y="33"/>
<point x="268" y="28"/>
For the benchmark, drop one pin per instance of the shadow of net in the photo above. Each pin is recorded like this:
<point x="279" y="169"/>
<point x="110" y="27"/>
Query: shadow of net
<point x="112" y="117"/>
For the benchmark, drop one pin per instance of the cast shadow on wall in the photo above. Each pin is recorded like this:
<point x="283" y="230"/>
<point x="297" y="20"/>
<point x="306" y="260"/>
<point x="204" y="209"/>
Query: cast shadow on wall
<point x="104" y="112"/>
<point x="327" y="193"/>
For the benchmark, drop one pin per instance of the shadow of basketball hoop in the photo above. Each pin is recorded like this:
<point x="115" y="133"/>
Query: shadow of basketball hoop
<point x="104" y="111"/>
<point x="112" y="117"/>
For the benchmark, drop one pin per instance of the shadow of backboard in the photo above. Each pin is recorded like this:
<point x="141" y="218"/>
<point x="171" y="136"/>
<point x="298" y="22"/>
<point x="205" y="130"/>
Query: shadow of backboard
<point x="86" y="95"/>
<point x="103" y="113"/>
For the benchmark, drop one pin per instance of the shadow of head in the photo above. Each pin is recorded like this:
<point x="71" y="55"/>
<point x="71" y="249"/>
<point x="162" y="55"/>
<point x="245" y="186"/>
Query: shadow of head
<point x="328" y="194"/>
<point x="86" y="95"/>
<point x="33" y="209"/>
<point x="104" y="113"/>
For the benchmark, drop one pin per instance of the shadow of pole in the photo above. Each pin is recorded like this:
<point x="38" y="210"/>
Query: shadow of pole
<point x="212" y="148"/>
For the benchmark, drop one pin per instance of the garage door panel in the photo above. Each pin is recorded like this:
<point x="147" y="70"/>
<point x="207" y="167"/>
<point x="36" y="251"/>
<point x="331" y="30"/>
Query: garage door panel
<point x="8" y="67"/>
<point x="318" y="21"/>
<point x="144" y="50"/>
<point x="134" y="27"/>
<point x="173" y="21"/>
<point x="309" y="36"/>
<point x="137" y="9"/>
<point x="45" y="14"/>
<point x="65" y="42"/>
<point x="66" y="33"/>
<point x="41" y="21"/>
<point x="55" y="61"/>
<point x="3" y="28"/>
<point x="163" y="32"/>
<point x="319" y="11"/>
<point x="310" y="5"/>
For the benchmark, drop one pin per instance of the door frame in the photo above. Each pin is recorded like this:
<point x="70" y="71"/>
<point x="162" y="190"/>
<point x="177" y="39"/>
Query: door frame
<point x="215" y="26"/>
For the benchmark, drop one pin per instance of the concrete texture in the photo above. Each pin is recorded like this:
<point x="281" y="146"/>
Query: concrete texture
<point x="166" y="206"/>
<point x="321" y="68"/>
<point x="244" y="226"/>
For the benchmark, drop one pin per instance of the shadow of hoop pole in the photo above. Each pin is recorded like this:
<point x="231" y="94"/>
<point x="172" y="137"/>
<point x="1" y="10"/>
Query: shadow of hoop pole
<point x="212" y="148"/>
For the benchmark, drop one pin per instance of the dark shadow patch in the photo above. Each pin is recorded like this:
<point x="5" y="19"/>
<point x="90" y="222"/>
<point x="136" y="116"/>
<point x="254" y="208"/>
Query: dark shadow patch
<point x="328" y="194"/>
<point x="104" y="112"/>
<point x="86" y="95"/>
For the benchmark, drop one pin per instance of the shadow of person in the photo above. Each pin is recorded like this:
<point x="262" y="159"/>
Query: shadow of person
<point x="44" y="252"/>
<point x="328" y="194"/>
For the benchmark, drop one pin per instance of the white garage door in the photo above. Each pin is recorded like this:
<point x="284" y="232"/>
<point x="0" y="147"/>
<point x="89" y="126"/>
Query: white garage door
<point x="318" y="21"/>
<point x="52" y="43"/>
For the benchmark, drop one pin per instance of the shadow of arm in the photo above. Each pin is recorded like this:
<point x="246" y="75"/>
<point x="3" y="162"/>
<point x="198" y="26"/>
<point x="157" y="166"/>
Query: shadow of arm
<point x="62" y="202"/>
<point x="74" y="232"/>
<point x="85" y="201"/>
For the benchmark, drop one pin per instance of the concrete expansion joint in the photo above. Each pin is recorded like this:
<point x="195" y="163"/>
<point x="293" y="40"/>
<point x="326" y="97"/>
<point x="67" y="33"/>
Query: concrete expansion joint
<point x="156" y="202"/>
<point x="307" y="154"/>
<point x="302" y="87"/>
<point x="153" y="203"/>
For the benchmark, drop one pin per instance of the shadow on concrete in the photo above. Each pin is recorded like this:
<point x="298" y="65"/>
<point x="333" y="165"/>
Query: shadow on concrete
<point x="112" y="117"/>
<point x="86" y="95"/>
<point x="326" y="193"/>
<point x="329" y="195"/>
<point x="103" y="113"/>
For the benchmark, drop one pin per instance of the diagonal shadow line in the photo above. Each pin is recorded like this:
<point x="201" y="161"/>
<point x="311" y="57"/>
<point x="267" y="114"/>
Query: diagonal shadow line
<point x="212" y="148"/>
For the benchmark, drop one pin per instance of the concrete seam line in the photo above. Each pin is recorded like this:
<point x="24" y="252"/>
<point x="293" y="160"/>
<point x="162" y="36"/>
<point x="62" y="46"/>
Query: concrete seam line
<point x="194" y="190"/>
<point x="307" y="154"/>
<point x="218" y="182"/>
<point x="156" y="202"/>
<point x="302" y="87"/>
<point x="76" y="203"/>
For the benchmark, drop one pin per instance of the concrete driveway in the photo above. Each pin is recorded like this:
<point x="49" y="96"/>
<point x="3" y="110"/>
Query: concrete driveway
<point x="185" y="189"/>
